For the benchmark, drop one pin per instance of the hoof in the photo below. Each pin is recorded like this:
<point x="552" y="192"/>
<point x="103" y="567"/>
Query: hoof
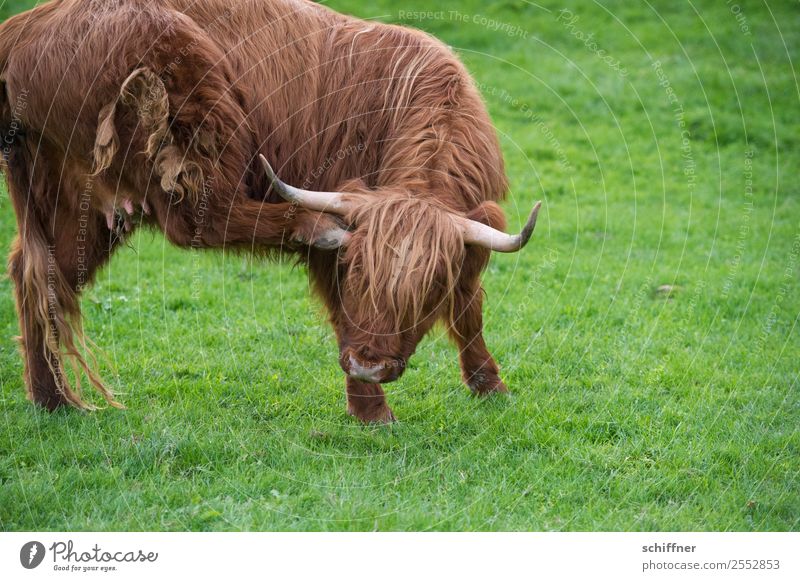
<point x="48" y="397"/>
<point x="379" y="415"/>
<point x="481" y="385"/>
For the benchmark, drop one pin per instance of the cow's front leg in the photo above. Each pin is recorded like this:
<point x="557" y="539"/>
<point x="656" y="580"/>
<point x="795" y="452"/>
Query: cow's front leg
<point x="367" y="402"/>
<point x="478" y="368"/>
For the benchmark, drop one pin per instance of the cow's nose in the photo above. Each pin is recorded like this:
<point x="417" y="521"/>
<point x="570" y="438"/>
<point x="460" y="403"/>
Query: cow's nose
<point x="369" y="373"/>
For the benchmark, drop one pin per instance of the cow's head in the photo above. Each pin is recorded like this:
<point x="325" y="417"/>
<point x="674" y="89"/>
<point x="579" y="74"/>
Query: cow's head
<point x="401" y="263"/>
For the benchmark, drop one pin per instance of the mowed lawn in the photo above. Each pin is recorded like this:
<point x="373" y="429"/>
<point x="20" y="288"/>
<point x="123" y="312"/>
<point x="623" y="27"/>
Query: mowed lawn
<point x="648" y="333"/>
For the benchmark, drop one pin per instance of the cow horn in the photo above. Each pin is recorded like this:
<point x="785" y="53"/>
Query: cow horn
<point x="479" y="234"/>
<point x="332" y="202"/>
<point x="475" y="233"/>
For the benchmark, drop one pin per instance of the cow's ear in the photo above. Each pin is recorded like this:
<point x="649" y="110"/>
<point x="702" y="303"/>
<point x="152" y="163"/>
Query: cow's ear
<point x="489" y="213"/>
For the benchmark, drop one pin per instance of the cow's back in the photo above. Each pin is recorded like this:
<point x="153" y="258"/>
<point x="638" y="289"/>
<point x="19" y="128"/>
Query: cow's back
<point x="329" y="98"/>
<point x="334" y="98"/>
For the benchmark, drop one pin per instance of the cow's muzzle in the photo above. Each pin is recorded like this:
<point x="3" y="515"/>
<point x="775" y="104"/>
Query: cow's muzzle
<point x="383" y="371"/>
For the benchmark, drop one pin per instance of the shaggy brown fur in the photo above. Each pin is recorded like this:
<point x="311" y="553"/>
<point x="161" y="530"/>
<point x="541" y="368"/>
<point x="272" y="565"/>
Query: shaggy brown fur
<point x="403" y="252"/>
<point x="120" y="113"/>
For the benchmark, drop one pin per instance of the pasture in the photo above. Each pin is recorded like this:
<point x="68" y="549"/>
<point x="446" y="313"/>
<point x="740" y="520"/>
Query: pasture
<point x="648" y="333"/>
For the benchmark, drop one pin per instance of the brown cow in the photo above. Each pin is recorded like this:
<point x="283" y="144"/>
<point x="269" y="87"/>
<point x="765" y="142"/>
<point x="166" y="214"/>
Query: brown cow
<point x="121" y="113"/>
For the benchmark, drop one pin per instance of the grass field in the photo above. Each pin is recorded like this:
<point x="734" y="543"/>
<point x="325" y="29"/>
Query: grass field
<point x="648" y="334"/>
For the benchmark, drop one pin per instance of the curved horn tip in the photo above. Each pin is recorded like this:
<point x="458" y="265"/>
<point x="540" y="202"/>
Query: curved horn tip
<point x="527" y="231"/>
<point x="267" y="168"/>
<point x="275" y="182"/>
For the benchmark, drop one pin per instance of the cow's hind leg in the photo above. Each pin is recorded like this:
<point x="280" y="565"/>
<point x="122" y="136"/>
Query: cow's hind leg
<point x="52" y="259"/>
<point x="43" y="375"/>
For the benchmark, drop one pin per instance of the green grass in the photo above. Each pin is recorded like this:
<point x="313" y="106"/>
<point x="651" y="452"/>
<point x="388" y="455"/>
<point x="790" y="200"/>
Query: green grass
<point x="630" y="410"/>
